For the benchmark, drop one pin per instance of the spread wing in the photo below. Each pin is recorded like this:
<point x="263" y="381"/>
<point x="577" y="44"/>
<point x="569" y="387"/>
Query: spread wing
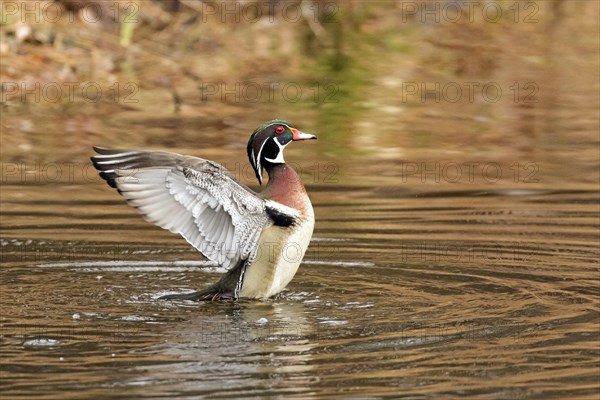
<point x="197" y="198"/>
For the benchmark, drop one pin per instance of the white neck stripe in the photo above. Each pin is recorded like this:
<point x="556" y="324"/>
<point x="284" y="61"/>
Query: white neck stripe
<point x="279" y="159"/>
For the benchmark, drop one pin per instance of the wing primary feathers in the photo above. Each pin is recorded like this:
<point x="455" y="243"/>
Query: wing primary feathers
<point x="197" y="198"/>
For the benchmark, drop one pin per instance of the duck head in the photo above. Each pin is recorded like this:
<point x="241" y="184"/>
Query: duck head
<point x="265" y="147"/>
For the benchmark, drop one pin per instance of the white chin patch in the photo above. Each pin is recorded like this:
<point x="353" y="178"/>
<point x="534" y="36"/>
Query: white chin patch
<point x="279" y="159"/>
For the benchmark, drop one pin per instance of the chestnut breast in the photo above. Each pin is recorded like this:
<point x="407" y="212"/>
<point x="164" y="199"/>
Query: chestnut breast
<point x="285" y="187"/>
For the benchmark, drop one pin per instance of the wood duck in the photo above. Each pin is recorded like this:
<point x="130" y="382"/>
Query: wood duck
<point x="260" y="238"/>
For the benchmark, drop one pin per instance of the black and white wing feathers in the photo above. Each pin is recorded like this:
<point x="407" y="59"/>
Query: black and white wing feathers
<point x="197" y="198"/>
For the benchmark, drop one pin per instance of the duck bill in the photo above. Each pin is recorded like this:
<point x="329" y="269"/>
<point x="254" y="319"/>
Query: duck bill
<point x="298" y="135"/>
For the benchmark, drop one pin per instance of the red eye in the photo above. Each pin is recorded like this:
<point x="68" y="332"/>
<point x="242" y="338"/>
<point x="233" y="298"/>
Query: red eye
<point x="280" y="129"/>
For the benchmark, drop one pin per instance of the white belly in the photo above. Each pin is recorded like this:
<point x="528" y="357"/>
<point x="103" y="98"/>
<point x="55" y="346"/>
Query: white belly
<point x="277" y="259"/>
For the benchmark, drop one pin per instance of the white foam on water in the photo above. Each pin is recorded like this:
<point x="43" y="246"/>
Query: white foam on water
<point x="339" y="263"/>
<point x="41" y="342"/>
<point x="325" y="239"/>
<point x="139" y="266"/>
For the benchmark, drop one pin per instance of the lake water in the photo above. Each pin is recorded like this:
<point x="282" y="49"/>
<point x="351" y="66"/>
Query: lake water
<point x="404" y="292"/>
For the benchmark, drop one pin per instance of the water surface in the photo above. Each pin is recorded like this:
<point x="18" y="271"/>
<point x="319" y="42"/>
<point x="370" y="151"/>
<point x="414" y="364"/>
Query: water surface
<point x="403" y="293"/>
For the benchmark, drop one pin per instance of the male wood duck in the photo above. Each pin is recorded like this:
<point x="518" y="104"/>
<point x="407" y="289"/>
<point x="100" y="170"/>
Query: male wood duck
<point x="260" y="238"/>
